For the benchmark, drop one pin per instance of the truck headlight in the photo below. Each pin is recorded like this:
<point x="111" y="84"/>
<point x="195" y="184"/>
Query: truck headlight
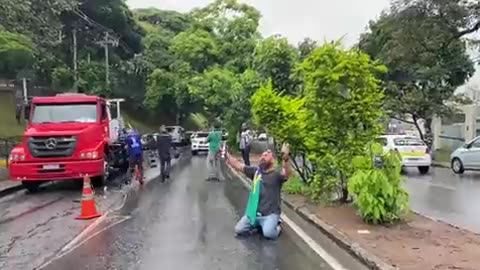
<point x="17" y="157"/>
<point x="89" y="155"/>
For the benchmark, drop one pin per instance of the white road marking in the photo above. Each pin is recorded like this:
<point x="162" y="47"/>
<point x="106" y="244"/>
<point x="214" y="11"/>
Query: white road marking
<point x="329" y="259"/>
<point x="84" y="232"/>
<point x="66" y="251"/>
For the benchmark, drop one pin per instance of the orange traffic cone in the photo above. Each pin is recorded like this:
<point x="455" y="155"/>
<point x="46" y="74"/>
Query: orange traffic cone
<point x="89" y="209"/>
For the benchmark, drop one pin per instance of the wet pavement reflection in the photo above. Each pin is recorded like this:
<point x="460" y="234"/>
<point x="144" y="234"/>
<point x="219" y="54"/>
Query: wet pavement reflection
<point x="185" y="223"/>
<point x="445" y="196"/>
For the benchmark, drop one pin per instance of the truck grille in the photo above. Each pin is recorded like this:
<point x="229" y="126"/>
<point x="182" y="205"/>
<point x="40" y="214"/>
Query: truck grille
<point x="48" y="147"/>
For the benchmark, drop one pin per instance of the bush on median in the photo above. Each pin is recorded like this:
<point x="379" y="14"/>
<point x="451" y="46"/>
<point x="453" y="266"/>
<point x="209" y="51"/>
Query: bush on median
<point x="377" y="186"/>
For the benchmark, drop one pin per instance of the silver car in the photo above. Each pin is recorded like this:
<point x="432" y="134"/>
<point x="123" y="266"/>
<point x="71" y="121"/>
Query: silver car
<point x="467" y="157"/>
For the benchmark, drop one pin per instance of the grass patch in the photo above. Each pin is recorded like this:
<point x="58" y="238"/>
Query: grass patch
<point x="295" y="186"/>
<point x="442" y="155"/>
<point x="8" y="124"/>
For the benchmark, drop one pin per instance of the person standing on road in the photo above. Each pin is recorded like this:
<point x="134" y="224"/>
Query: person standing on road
<point x="271" y="180"/>
<point x="245" y="141"/>
<point x="135" y="153"/>
<point x="214" y="140"/>
<point x="164" y="148"/>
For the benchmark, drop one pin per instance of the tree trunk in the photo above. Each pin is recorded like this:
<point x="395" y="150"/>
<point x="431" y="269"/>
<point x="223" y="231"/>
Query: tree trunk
<point x="415" y="122"/>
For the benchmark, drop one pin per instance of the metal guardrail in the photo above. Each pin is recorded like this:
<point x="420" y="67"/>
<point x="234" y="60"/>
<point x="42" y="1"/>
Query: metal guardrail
<point x="6" y="145"/>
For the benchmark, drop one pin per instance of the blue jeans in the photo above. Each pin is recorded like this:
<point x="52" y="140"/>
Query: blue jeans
<point x="267" y="223"/>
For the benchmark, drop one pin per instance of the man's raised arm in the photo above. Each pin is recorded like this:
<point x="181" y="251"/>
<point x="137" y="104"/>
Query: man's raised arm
<point x="237" y="165"/>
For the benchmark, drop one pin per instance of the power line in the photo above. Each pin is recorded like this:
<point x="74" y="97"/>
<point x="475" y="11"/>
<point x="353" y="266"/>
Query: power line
<point x="90" y="21"/>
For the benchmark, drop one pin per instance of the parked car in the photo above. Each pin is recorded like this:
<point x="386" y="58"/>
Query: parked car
<point x="199" y="142"/>
<point x="177" y="133"/>
<point x="262" y="137"/>
<point x="467" y="157"/>
<point x="413" y="151"/>
<point x="188" y="136"/>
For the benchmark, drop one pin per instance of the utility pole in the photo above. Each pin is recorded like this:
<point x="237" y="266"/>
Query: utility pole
<point x="106" y="42"/>
<point x="75" y="60"/>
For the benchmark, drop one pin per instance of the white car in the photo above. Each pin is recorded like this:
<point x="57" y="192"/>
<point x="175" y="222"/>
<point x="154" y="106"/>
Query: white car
<point x="467" y="157"/>
<point x="414" y="152"/>
<point x="177" y="133"/>
<point x="262" y="137"/>
<point x="199" y="142"/>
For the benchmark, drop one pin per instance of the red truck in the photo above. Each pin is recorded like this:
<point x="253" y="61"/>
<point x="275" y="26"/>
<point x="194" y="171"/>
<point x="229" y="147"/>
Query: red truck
<point x="68" y="136"/>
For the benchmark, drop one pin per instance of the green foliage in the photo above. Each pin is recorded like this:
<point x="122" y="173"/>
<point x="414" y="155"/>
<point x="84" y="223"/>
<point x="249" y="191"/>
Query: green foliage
<point x="160" y="83"/>
<point x="332" y="120"/>
<point x="197" y="47"/>
<point x="378" y="192"/>
<point x="16" y="52"/>
<point x="92" y="78"/>
<point x="275" y="59"/>
<point x="295" y="186"/>
<point x="419" y="42"/>
<point x="62" y="79"/>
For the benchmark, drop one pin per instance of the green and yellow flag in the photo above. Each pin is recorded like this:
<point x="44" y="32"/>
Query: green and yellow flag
<point x="254" y="198"/>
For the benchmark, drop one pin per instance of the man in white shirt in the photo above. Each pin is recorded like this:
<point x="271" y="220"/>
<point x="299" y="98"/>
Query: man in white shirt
<point x="245" y="141"/>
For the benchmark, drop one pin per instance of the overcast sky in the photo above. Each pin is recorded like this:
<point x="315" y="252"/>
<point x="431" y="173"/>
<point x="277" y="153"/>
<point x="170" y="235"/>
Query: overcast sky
<point x="296" y="19"/>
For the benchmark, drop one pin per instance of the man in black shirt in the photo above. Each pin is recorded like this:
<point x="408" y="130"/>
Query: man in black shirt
<point x="268" y="212"/>
<point x="164" y="147"/>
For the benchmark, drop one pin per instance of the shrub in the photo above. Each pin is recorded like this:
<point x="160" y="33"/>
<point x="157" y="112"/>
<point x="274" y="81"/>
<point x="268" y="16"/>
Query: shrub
<point x="295" y="186"/>
<point x="377" y="188"/>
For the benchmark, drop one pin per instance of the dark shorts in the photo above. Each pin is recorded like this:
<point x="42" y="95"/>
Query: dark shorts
<point x="136" y="160"/>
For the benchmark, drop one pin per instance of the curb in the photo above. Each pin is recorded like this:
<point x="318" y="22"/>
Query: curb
<point x="441" y="165"/>
<point x="11" y="189"/>
<point x="367" y="258"/>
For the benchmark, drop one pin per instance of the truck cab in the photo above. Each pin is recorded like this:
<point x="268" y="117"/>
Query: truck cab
<point x="68" y="136"/>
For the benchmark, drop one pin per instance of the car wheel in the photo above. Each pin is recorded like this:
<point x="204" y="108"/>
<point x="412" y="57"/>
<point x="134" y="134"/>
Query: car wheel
<point x="194" y="152"/>
<point x="423" y="169"/>
<point x="31" y="186"/>
<point x="457" y="166"/>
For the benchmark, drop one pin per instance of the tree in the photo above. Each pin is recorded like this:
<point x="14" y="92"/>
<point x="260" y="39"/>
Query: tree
<point x="197" y="47"/>
<point x="16" y="53"/>
<point x="275" y="59"/>
<point x="306" y="47"/>
<point x="168" y="20"/>
<point x="457" y="17"/>
<point x="335" y="116"/>
<point x="426" y="60"/>
<point x="235" y="26"/>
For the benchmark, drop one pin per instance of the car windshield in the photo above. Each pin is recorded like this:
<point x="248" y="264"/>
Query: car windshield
<point x="408" y="142"/>
<point x="170" y="129"/>
<point x="202" y="135"/>
<point x="64" y="113"/>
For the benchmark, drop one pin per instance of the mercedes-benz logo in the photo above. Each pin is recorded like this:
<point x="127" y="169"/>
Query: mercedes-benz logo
<point x="51" y="143"/>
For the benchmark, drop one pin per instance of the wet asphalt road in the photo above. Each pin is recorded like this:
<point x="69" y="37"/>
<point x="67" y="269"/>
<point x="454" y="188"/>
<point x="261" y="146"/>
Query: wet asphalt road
<point x="185" y="223"/>
<point x="445" y="196"/>
<point x="35" y="227"/>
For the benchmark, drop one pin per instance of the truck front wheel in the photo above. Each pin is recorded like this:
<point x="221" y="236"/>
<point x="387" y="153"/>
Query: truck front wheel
<point x="101" y="180"/>
<point x="31" y="186"/>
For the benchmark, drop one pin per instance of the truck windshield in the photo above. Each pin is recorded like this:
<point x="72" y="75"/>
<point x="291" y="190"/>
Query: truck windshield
<point x="64" y="113"/>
